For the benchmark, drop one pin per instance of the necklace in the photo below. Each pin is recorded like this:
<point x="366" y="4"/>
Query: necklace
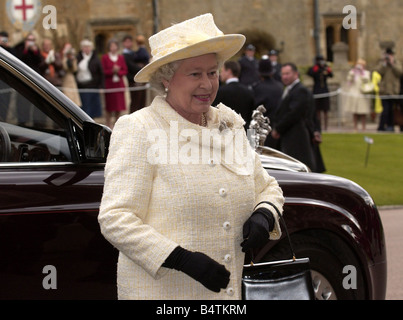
<point x="203" y="120"/>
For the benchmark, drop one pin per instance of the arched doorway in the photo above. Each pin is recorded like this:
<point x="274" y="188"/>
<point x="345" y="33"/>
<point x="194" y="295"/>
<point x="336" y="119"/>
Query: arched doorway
<point x="263" y="41"/>
<point x="100" y="43"/>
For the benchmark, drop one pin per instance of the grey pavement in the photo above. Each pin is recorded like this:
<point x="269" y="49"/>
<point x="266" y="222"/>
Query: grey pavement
<point x="392" y="220"/>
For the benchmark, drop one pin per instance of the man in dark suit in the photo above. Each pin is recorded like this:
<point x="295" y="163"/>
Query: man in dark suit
<point x="267" y="91"/>
<point x="249" y="75"/>
<point x="276" y="66"/>
<point x="132" y="68"/>
<point x="142" y="59"/>
<point x="293" y="124"/>
<point x="234" y="94"/>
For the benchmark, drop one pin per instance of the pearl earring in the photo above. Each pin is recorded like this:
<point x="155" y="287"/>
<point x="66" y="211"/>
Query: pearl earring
<point x="166" y="89"/>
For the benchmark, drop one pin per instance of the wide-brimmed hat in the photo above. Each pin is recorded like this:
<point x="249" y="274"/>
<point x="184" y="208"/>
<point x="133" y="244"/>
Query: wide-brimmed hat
<point x="188" y="39"/>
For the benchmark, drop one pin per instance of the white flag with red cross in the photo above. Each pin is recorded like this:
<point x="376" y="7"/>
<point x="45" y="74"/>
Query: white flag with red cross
<point x="23" y="14"/>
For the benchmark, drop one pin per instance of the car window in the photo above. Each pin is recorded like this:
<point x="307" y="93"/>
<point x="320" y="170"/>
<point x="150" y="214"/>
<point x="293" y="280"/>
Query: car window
<point x="30" y="130"/>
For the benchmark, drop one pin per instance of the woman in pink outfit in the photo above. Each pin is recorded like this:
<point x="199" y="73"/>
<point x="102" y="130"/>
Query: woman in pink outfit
<point x="115" y="69"/>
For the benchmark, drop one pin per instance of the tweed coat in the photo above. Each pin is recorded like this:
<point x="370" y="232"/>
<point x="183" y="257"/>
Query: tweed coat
<point x="390" y="81"/>
<point x="157" y="197"/>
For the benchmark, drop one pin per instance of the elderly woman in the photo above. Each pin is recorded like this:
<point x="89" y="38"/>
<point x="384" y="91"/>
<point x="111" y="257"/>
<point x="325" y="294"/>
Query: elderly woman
<point x="115" y="69"/>
<point x="182" y="202"/>
<point x="89" y="79"/>
<point x="358" y="85"/>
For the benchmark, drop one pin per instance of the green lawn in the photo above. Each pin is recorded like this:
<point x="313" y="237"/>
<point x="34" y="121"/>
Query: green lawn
<point x="345" y="154"/>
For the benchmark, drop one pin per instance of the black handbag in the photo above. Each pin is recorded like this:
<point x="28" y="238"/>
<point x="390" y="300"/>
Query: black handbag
<point x="278" y="280"/>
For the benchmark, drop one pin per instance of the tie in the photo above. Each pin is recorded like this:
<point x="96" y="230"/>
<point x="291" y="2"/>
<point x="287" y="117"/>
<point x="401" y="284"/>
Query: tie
<point x="285" y="92"/>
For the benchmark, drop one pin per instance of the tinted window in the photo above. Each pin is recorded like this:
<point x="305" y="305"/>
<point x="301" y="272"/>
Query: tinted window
<point x="30" y="129"/>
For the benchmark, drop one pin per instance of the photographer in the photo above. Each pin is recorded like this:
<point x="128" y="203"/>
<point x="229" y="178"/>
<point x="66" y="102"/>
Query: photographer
<point x="51" y="67"/>
<point x="320" y="72"/>
<point x="390" y="69"/>
<point x="69" y="84"/>
<point x="4" y="42"/>
<point x="29" y="52"/>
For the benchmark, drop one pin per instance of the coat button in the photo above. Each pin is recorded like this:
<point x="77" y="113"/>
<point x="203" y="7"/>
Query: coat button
<point x="230" y="291"/>
<point x="227" y="258"/>
<point x="226" y="225"/>
<point x="222" y="192"/>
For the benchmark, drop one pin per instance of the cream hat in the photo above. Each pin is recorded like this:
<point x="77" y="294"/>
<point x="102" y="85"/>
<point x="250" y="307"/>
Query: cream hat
<point x="190" y="38"/>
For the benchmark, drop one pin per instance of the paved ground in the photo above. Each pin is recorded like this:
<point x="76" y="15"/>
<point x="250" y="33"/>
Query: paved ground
<point x="392" y="220"/>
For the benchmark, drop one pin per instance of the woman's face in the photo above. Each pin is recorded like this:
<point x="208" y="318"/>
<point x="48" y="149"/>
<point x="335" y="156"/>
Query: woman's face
<point x="193" y="88"/>
<point x="87" y="49"/>
<point x="113" y="47"/>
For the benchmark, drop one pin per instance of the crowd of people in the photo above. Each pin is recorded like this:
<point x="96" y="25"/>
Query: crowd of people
<point x="376" y="91"/>
<point x="298" y="115"/>
<point x="245" y="84"/>
<point x="290" y="107"/>
<point x="81" y="75"/>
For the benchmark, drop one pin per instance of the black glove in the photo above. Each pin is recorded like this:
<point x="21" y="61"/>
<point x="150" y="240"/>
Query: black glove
<point x="200" y="267"/>
<point x="256" y="229"/>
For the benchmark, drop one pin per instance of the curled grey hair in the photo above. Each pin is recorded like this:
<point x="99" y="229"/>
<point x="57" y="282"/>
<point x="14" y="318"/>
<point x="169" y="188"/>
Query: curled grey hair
<point x="165" y="72"/>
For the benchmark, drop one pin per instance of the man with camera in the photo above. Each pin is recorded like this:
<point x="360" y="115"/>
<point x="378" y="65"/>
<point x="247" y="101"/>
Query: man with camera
<point x="320" y="72"/>
<point x="28" y="51"/>
<point x="390" y="69"/>
<point x="4" y="43"/>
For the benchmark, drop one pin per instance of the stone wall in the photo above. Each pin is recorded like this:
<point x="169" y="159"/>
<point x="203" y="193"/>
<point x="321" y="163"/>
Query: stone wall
<point x="288" y="23"/>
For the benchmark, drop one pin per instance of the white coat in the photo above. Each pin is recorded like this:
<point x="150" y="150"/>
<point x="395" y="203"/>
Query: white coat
<point x="356" y="102"/>
<point x="153" y="201"/>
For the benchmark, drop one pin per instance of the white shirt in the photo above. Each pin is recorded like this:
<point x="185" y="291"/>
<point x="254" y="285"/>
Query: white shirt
<point x="83" y="73"/>
<point x="231" y="80"/>
<point x="289" y="87"/>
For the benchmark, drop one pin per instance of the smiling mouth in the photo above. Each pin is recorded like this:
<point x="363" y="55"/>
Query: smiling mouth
<point x="204" y="98"/>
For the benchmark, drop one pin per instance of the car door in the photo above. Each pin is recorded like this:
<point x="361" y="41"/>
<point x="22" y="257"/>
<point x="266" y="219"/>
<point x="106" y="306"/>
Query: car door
<point x="50" y="244"/>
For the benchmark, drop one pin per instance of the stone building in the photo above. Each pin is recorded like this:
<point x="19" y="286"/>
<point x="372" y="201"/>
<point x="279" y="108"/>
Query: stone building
<point x="341" y="30"/>
<point x="298" y="28"/>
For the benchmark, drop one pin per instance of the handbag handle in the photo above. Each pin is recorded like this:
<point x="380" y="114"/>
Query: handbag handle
<point x="284" y="225"/>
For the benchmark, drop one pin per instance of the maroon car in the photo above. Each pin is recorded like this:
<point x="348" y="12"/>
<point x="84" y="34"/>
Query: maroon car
<point x="52" y="158"/>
